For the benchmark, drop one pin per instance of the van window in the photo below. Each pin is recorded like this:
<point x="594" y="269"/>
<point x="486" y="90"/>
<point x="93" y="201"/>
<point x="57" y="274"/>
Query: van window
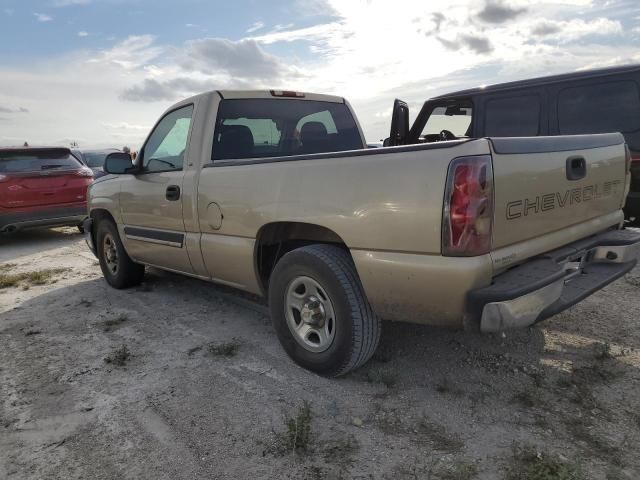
<point x="513" y="117"/>
<point x="261" y="127"/>
<point x="602" y="108"/>
<point x="454" y="118"/>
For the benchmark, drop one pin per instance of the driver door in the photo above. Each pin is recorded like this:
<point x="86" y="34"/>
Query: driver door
<point x="151" y="200"/>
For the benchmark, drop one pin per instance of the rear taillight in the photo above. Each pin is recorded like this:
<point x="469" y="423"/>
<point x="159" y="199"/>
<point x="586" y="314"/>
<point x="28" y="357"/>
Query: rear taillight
<point x="468" y="207"/>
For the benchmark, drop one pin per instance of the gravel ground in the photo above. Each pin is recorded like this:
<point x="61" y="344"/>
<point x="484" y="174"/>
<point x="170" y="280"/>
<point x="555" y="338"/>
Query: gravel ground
<point x="180" y="379"/>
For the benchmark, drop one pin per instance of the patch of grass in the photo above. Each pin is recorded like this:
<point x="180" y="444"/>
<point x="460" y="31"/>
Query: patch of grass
<point x="224" y="349"/>
<point x="119" y="357"/>
<point x="529" y="464"/>
<point x="457" y="471"/>
<point x="42" y="277"/>
<point x="5" y="267"/>
<point x="27" y="279"/>
<point x="112" y="323"/>
<point x="298" y="434"/>
<point x="437" y="434"/>
<point x="382" y="375"/>
<point x="296" y="437"/>
<point x="8" y="280"/>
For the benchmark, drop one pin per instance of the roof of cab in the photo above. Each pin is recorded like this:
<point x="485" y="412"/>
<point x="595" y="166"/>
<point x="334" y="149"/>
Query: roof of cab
<point x="539" y="81"/>
<point x="228" y="94"/>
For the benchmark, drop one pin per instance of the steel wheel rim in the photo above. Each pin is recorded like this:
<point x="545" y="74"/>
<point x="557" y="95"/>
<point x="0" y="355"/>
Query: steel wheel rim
<point x="110" y="254"/>
<point x="310" y="314"/>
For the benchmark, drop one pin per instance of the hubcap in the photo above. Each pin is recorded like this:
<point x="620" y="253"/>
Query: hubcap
<point x="110" y="254"/>
<point x="309" y="314"/>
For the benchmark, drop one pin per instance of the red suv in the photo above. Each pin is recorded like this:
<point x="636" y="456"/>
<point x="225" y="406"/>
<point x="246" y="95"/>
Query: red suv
<point x="41" y="187"/>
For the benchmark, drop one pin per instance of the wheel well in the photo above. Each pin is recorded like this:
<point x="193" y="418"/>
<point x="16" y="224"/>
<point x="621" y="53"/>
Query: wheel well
<point x="274" y="240"/>
<point x="96" y="216"/>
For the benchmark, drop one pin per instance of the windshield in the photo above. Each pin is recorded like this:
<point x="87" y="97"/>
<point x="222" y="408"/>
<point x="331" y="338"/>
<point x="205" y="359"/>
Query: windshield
<point x="23" y="161"/>
<point x="454" y="118"/>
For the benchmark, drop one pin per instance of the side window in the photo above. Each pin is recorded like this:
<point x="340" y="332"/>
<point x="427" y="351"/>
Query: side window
<point x="602" y="108"/>
<point x="165" y="149"/>
<point x="512" y="117"/>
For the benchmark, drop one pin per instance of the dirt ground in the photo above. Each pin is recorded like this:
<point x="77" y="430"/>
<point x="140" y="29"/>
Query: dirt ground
<point x="181" y="379"/>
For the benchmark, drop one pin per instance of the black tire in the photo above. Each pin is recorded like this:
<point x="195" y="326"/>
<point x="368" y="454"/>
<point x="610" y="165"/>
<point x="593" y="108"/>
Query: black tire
<point x="357" y="328"/>
<point x="127" y="273"/>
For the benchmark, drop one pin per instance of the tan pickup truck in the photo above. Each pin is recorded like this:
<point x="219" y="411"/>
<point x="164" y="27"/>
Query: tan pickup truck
<point x="275" y="193"/>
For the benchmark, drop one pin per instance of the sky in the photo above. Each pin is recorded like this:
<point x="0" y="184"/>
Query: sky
<point x="100" y="72"/>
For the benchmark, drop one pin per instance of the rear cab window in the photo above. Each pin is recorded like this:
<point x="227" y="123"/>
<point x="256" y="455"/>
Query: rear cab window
<point x="24" y="161"/>
<point x="259" y="128"/>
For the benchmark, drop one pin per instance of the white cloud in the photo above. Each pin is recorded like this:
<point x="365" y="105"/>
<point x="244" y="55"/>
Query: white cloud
<point x="429" y="48"/>
<point x="68" y="3"/>
<point x="82" y="33"/>
<point x="43" y="17"/>
<point x="133" y="53"/>
<point x="126" y="126"/>
<point x="255" y="27"/>
<point x="571" y="30"/>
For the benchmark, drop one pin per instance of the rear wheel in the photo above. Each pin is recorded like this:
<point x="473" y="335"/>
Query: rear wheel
<point x="117" y="267"/>
<point x="320" y="312"/>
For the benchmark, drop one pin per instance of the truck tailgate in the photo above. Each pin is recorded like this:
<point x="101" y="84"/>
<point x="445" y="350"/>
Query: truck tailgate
<point x="545" y="184"/>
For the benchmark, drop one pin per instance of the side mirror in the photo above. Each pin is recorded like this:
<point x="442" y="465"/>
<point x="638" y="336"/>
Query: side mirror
<point x="118" y="163"/>
<point x="399" y="123"/>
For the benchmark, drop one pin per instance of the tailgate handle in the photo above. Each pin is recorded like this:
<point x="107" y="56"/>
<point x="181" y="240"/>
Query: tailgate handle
<point x="173" y="193"/>
<point x="576" y="167"/>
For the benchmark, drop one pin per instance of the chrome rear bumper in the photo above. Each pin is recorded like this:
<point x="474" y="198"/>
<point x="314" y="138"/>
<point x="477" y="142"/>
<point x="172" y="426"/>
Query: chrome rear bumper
<point x="549" y="284"/>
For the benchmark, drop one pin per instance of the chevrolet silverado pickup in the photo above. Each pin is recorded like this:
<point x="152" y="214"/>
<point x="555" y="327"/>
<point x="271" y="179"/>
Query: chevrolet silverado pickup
<point x="275" y="193"/>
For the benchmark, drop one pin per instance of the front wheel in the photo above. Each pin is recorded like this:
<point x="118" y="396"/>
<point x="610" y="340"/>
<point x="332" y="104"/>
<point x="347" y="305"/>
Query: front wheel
<point x="320" y="312"/>
<point x="117" y="267"/>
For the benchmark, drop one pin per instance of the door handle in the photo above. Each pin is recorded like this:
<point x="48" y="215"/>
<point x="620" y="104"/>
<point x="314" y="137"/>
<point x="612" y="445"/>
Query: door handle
<point x="576" y="167"/>
<point x="173" y="193"/>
